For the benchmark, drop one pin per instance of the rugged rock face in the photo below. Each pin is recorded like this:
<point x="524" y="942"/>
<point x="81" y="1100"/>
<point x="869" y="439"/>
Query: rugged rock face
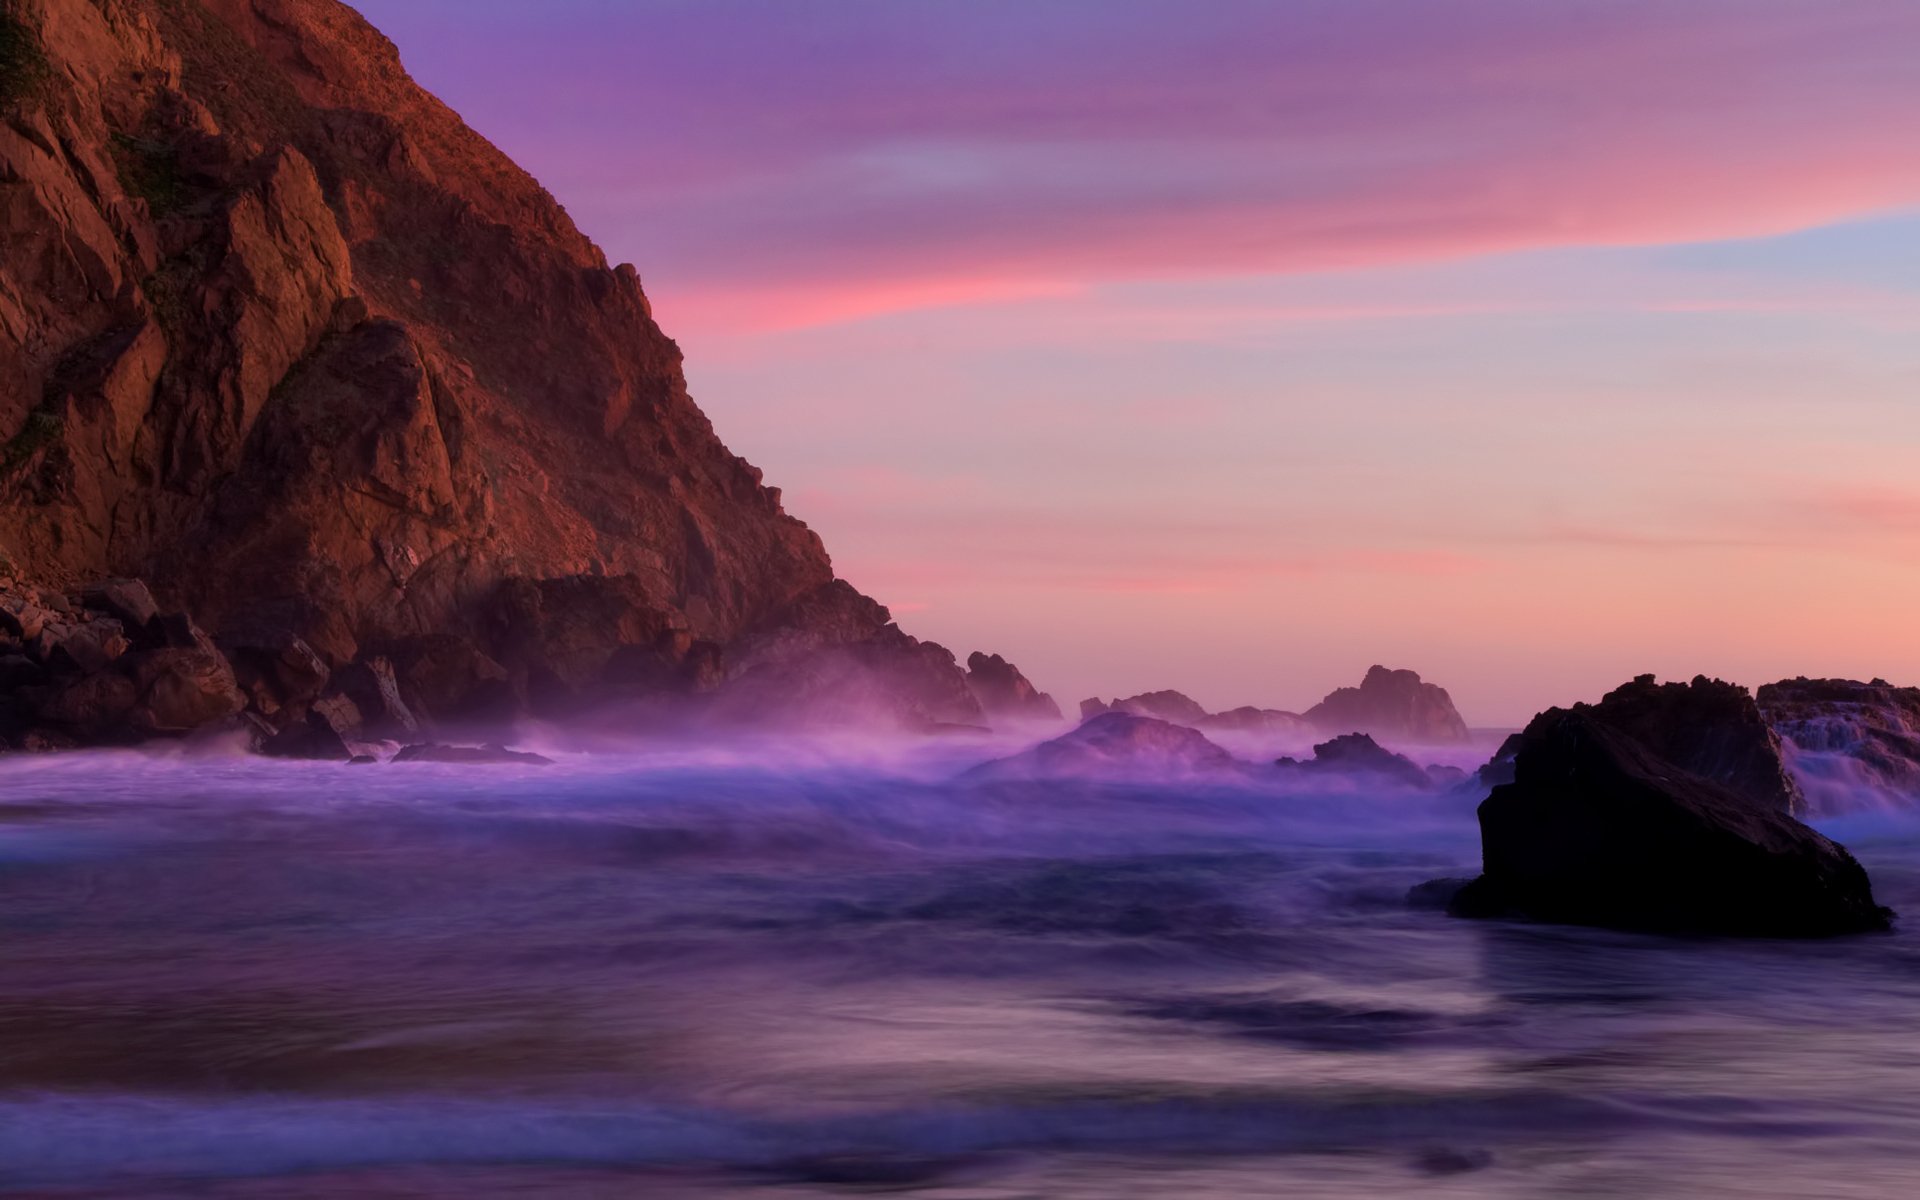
<point x="1003" y="692"/>
<point x="1707" y="726"/>
<point x="1598" y="829"/>
<point x="1356" y="755"/>
<point x="1115" y="746"/>
<point x="1850" y="744"/>
<point x="1391" y="704"/>
<point x="283" y="337"/>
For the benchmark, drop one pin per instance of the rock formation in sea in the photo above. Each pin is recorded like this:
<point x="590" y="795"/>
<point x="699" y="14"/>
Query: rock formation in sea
<point x="1601" y="825"/>
<point x="1360" y="758"/>
<point x="1115" y="746"/>
<point x="1004" y="693"/>
<point x="1849" y="744"/>
<point x="1391" y="704"/>
<point x="284" y="338"/>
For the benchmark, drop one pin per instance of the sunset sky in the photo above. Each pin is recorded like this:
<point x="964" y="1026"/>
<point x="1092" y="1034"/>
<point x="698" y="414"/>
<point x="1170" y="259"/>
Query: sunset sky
<point x="1234" y="346"/>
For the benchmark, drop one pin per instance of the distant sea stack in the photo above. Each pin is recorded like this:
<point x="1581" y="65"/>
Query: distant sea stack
<point x="1394" y="705"/>
<point x="283" y="338"/>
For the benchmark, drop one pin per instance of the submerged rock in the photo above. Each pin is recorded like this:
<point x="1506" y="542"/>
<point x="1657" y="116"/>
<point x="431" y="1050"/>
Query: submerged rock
<point x="434" y="753"/>
<point x="1115" y="745"/>
<point x="1391" y="704"/>
<point x="1598" y="829"/>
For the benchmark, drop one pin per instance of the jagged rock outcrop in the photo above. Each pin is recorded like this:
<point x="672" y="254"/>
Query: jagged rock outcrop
<point x="1115" y="746"/>
<point x="1707" y="726"/>
<point x="1395" y="705"/>
<point x="282" y="337"/>
<point x="1849" y="744"/>
<point x="1265" y="722"/>
<point x="1598" y="829"/>
<point x="1358" y="757"/>
<point x="1167" y="705"/>
<point x="1004" y="693"/>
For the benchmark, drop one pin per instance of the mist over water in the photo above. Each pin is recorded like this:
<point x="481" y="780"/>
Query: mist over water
<point x="783" y="966"/>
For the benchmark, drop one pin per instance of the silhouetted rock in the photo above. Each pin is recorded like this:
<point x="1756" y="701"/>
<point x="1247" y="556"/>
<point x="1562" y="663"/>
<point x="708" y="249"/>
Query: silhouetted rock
<point x="1391" y="704"/>
<point x="1004" y="692"/>
<point x="1597" y="829"/>
<point x="470" y="755"/>
<point x="1849" y="744"/>
<point x="1357" y="755"/>
<point x="1115" y="746"/>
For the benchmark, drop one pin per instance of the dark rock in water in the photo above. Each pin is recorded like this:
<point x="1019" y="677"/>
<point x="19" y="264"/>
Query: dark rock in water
<point x="1597" y="829"/>
<point x="430" y="752"/>
<point x="1115" y="745"/>
<point x="1391" y="704"/>
<point x="1356" y="754"/>
<point x="1165" y="705"/>
<point x="1265" y="721"/>
<point x="1004" y="692"/>
<point x="1850" y="743"/>
<point x="313" y="737"/>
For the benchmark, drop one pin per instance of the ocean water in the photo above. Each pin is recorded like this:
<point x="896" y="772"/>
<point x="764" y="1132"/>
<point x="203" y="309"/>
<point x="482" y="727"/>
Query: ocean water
<point x="781" y="969"/>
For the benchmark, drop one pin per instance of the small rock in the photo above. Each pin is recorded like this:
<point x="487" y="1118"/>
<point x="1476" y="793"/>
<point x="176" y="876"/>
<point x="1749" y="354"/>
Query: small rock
<point x="435" y="753"/>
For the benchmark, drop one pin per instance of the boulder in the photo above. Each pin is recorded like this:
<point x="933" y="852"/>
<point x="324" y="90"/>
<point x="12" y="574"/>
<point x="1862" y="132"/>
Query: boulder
<point x="1004" y="692"/>
<point x="127" y="599"/>
<point x="1392" y="704"/>
<point x="1357" y="756"/>
<point x="180" y="690"/>
<point x="1597" y="829"/>
<point x="1115" y="746"/>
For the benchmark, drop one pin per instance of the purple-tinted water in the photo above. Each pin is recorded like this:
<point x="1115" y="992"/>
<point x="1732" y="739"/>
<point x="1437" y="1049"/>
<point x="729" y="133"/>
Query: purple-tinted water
<point x="783" y="972"/>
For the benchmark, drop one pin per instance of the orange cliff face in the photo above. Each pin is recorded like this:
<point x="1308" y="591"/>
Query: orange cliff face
<point x="282" y="336"/>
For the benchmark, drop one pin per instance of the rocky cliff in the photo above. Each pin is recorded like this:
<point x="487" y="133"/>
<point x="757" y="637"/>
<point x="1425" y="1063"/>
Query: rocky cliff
<point x="284" y="338"/>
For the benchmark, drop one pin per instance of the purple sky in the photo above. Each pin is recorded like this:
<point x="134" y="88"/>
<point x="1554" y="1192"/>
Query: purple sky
<point x="1235" y="346"/>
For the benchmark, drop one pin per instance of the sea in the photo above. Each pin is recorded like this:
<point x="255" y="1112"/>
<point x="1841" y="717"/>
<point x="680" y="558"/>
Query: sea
<point x="808" y="968"/>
